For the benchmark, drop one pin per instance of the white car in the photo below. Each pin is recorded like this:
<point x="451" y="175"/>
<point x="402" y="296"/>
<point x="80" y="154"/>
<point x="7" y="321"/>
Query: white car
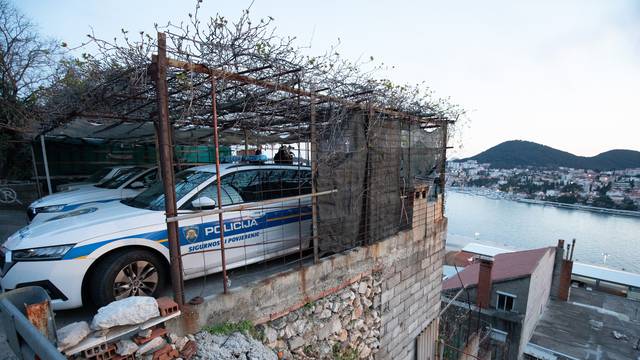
<point x="98" y="177"/>
<point x="128" y="183"/>
<point x="105" y="251"/>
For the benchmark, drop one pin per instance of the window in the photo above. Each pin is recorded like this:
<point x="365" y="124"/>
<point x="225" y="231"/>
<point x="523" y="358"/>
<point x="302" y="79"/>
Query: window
<point x="247" y="183"/>
<point x="119" y="180"/>
<point x="148" y="178"/>
<point x="153" y="197"/>
<point x="506" y="301"/>
<point x="211" y="191"/>
<point x="267" y="184"/>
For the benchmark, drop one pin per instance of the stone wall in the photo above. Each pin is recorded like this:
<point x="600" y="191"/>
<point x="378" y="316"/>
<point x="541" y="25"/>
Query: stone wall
<point x="347" y="322"/>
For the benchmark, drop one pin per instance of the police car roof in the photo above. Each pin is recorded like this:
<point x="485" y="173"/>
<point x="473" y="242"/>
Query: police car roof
<point x="229" y="166"/>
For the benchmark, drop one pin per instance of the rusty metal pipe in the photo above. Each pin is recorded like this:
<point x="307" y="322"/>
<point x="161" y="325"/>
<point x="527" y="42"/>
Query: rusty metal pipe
<point x="218" y="184"/>
<point x="241" y="207"/>
<point x="166" y="168"/>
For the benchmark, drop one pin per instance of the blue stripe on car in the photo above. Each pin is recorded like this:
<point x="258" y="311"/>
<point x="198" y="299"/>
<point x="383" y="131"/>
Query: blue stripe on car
<point x="75" y="206"/>
<point x="207" y="231"/>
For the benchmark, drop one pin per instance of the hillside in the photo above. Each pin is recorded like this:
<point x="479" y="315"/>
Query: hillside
<point x="518" y="153"/>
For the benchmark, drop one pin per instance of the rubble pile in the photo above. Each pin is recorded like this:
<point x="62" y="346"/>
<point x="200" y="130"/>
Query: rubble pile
<point x="234" y="346"/>
<point x="347" y="322"/>
<point x="130" y="328"/>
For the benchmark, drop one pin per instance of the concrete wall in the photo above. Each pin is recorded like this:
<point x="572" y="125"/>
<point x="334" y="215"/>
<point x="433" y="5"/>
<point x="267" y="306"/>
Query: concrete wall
<point x="412" y="284"/>
<point x="408" y="264"/>
<point x="539" y="290"/>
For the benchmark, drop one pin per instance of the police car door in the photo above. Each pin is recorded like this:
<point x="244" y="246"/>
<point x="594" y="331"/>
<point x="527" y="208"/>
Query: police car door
<point x="295" y="216"/>
<point x="200" y="237"/>
<point x="249" y="225"/>
<point x="282" y="229"/>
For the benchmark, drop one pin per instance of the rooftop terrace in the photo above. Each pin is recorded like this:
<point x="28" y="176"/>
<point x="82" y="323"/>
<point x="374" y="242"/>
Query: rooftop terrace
<point x="583" y="327"/>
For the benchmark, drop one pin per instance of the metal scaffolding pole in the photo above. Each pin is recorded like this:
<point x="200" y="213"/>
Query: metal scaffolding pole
<point x="35" y="170"/>
<point x="166" y="168"/>
<point x="443" y="162"/>
<point x="46" y="163"/>
<point x="314" y="175"/>
<point x="218" y="184"/>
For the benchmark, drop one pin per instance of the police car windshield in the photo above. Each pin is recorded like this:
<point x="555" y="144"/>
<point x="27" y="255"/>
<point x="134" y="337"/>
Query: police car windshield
<point x="118" y="180"/>
<point x="153" y="197"/>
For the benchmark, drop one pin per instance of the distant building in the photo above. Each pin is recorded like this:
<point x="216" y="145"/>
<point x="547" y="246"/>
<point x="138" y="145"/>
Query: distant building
<point x="510" y="292"/>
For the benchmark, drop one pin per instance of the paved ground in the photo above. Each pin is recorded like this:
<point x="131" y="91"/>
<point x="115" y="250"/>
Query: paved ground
<point x="583" y="327"/>
<point x="12" y="220"/>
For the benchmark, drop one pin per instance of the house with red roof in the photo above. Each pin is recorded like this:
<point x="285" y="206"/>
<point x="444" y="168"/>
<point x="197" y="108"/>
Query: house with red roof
<point x="508" y="293"/>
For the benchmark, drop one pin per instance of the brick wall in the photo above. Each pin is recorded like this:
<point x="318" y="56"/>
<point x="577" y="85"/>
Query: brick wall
<point x="412" y="282"/>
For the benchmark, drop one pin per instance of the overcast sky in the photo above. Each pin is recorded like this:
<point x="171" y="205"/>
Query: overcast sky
<point x="562" y="73"/>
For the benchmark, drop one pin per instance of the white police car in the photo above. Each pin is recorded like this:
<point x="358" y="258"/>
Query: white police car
<point x="105" y="251"/>
<point x="128" y="183"/>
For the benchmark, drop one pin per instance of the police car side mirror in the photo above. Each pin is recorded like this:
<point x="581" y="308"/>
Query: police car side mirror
<point x="203" y="202"/>
<point x="137" y="185"/>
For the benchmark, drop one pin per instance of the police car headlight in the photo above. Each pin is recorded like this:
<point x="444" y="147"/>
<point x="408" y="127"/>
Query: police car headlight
<point x="43" y="253"/>
<point x="52" y="208"/>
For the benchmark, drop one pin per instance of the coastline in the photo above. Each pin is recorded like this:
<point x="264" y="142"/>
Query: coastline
<point x="504" y="196"/>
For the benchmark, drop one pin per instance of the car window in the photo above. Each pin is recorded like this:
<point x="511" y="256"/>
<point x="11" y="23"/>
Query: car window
<point x="211" y="191"/>
<point x="120" y="179"/>
<point x="247" y="184"/>
<point x="153" y="197"/>
<point x="147" y="179"/>
<point x="272" y="183"/>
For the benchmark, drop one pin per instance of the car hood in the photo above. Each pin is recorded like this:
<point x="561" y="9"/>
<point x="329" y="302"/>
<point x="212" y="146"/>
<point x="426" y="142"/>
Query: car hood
<point x="80" y="185"/>
<point x="77" y="196"/>
<point x="87" y="222"/>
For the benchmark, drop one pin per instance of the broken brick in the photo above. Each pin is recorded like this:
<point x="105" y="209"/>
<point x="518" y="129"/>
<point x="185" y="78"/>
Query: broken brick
<point x="188" y="350"/>
<point x="109" y="354"/>
<point x="157" y="332"/>
<point x="167" y="306"/>
<point x="96" y="350"/>
<point x="166" y="353"/>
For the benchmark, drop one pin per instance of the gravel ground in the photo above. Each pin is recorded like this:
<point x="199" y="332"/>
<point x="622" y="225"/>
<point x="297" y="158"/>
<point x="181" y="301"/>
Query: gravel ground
<point x="234" y="346"/>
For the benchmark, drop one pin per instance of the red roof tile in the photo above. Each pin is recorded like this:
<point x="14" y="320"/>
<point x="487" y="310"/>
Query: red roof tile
<point x="506" y="266"/>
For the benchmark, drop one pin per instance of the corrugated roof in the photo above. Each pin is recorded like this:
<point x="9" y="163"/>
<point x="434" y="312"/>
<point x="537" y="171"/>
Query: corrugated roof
<point x="506" y="266"/>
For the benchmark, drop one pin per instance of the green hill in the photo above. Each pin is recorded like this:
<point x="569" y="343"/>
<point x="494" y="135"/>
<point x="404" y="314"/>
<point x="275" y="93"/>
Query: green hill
<point x="519" y="153"/>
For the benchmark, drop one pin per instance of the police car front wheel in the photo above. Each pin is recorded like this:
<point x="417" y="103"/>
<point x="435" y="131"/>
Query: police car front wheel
<point x="123" y="274"/>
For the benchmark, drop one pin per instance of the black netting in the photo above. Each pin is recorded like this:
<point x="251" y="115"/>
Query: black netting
<point x="375" y="163"/>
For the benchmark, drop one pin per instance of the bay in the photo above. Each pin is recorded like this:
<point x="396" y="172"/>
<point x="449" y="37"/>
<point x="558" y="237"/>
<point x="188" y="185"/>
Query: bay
<point x="516" y="225"/>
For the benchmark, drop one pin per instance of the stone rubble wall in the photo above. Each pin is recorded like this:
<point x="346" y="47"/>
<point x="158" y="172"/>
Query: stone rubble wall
<point x="342" y="323"/>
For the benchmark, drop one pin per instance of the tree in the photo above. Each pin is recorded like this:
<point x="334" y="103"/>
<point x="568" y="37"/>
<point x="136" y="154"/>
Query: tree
<point x="27" y="63"/>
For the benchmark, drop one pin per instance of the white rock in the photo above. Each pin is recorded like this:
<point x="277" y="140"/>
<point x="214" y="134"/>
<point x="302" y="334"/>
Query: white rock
<point x="270" y="334"/>
<point x="126" y="347"/>
<point x="181" y="342"/>
<point x="172" y="338"/>
<point x="145" y="333"/>
<point x="154" y="344"/>
<point x="362" y="288"/>
<point x="130" y="311"/>
<point x="72" y="334"/>
<point x="326" y="313"/>
<point x="296" y="342"/>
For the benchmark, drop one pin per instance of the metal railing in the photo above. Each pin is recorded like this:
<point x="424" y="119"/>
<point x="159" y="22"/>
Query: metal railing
<point x="25" y="339"/>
